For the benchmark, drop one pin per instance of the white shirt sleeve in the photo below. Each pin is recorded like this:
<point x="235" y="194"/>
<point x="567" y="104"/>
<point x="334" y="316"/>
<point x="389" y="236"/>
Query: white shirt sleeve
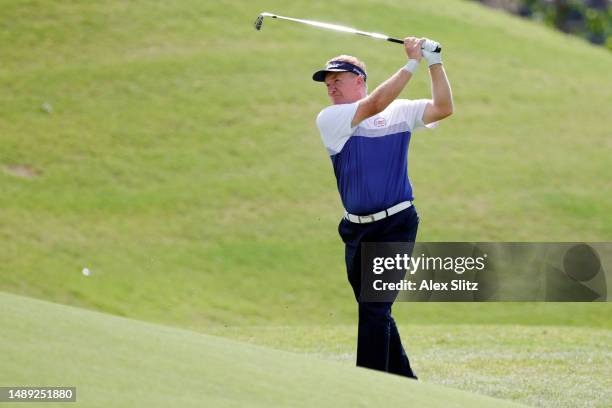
<point x="412" y="111"/>
<point x="334" y="123"/>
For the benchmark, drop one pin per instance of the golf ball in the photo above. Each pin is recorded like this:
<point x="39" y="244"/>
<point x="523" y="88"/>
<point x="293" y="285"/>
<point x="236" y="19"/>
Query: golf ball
<point x="86" y="272"/>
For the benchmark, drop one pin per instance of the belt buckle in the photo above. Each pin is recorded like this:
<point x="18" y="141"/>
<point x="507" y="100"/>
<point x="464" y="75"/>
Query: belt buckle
<point x="371" y="217"/>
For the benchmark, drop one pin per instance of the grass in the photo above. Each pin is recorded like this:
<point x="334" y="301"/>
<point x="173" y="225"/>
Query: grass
<point x="172" y="150"/>
<point x="543" y="366"/>
<point x="181" y="162"/>
<point x="182" y="368"/>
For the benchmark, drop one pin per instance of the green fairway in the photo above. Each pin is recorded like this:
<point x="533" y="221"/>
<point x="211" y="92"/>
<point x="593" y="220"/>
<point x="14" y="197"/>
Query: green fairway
<point x="125" y="363"/>
<point x="172" y="150"/>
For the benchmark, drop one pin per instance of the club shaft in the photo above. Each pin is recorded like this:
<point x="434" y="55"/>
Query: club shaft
<point x="337" y="27"/>
<point x="340" y="28"/>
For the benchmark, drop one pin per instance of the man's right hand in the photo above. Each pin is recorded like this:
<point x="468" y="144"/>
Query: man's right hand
<point x="412" y="46"/>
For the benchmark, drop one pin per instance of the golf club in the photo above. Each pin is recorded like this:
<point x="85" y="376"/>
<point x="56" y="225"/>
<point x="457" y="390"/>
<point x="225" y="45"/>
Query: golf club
<point x="427" y="45"/>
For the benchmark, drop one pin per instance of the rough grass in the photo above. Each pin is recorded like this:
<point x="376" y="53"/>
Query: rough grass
<point x="542" y="366"/>
<point x="173" y="150"/>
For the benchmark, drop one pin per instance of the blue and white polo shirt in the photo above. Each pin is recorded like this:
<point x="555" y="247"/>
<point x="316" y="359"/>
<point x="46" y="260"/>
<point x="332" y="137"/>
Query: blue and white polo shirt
<point x="371" y="160"/>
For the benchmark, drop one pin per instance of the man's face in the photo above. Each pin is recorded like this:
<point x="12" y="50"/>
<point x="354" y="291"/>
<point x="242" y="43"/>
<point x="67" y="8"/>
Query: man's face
<point x="344" y="87"/>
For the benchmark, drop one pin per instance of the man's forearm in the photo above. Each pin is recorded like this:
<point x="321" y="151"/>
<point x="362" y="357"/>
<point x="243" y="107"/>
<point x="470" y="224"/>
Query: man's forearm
<point x="386" y="92"/>
<point x="440" y="89"/>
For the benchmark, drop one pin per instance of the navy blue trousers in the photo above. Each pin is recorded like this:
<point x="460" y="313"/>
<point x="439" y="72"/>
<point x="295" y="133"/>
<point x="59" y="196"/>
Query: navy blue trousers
<point x="379" y="346"/>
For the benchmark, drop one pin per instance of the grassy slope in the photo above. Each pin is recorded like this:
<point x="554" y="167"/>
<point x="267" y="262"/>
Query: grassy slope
<point x="181" y="163"/>
<point x="125" y="363"/>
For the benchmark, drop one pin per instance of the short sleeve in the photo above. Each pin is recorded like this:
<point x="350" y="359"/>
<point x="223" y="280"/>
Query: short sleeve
<point x="412" y="111"/>
<point x="334" y="123"/>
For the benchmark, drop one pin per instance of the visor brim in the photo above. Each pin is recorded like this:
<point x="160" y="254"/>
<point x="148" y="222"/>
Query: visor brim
<point x="319" y="76"/>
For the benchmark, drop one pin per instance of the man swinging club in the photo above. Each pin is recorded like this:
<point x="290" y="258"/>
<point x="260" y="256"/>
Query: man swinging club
<point x="367" y="137"/>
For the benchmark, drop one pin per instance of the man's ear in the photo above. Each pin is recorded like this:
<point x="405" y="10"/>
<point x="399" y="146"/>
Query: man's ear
<point x="361" y="81"/>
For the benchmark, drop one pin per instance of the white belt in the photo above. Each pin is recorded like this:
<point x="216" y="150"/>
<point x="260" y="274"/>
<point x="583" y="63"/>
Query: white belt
<point x="364" y="219"/>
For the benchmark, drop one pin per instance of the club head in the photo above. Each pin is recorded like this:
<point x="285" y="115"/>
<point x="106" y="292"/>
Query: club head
<point x="259" y="22"/>
<point x="260" y="18"/>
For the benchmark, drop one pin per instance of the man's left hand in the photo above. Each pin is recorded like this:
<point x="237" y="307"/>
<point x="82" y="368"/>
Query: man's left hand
<point x="431" y="57"/>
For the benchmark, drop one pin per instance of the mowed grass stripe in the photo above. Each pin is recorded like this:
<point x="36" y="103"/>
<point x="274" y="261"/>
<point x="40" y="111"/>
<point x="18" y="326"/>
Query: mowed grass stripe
<point x="126" y="363"/>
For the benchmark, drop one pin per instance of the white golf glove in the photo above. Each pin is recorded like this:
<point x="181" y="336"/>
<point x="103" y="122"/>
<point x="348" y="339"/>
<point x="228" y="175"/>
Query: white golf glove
<point x="428" y="48"/>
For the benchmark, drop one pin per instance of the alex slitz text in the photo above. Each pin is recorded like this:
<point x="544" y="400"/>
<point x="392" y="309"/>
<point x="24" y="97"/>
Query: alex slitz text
<point x="426" y="285"/>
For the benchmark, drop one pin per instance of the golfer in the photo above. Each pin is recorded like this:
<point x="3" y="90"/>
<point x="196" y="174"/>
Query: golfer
<point x="367" y="138"/>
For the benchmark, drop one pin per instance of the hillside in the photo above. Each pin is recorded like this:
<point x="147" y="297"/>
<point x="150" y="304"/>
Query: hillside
<point x="172" y="150"/>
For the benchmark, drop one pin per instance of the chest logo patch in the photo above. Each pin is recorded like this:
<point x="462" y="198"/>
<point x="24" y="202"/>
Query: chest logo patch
<point x="380" y="122"/>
